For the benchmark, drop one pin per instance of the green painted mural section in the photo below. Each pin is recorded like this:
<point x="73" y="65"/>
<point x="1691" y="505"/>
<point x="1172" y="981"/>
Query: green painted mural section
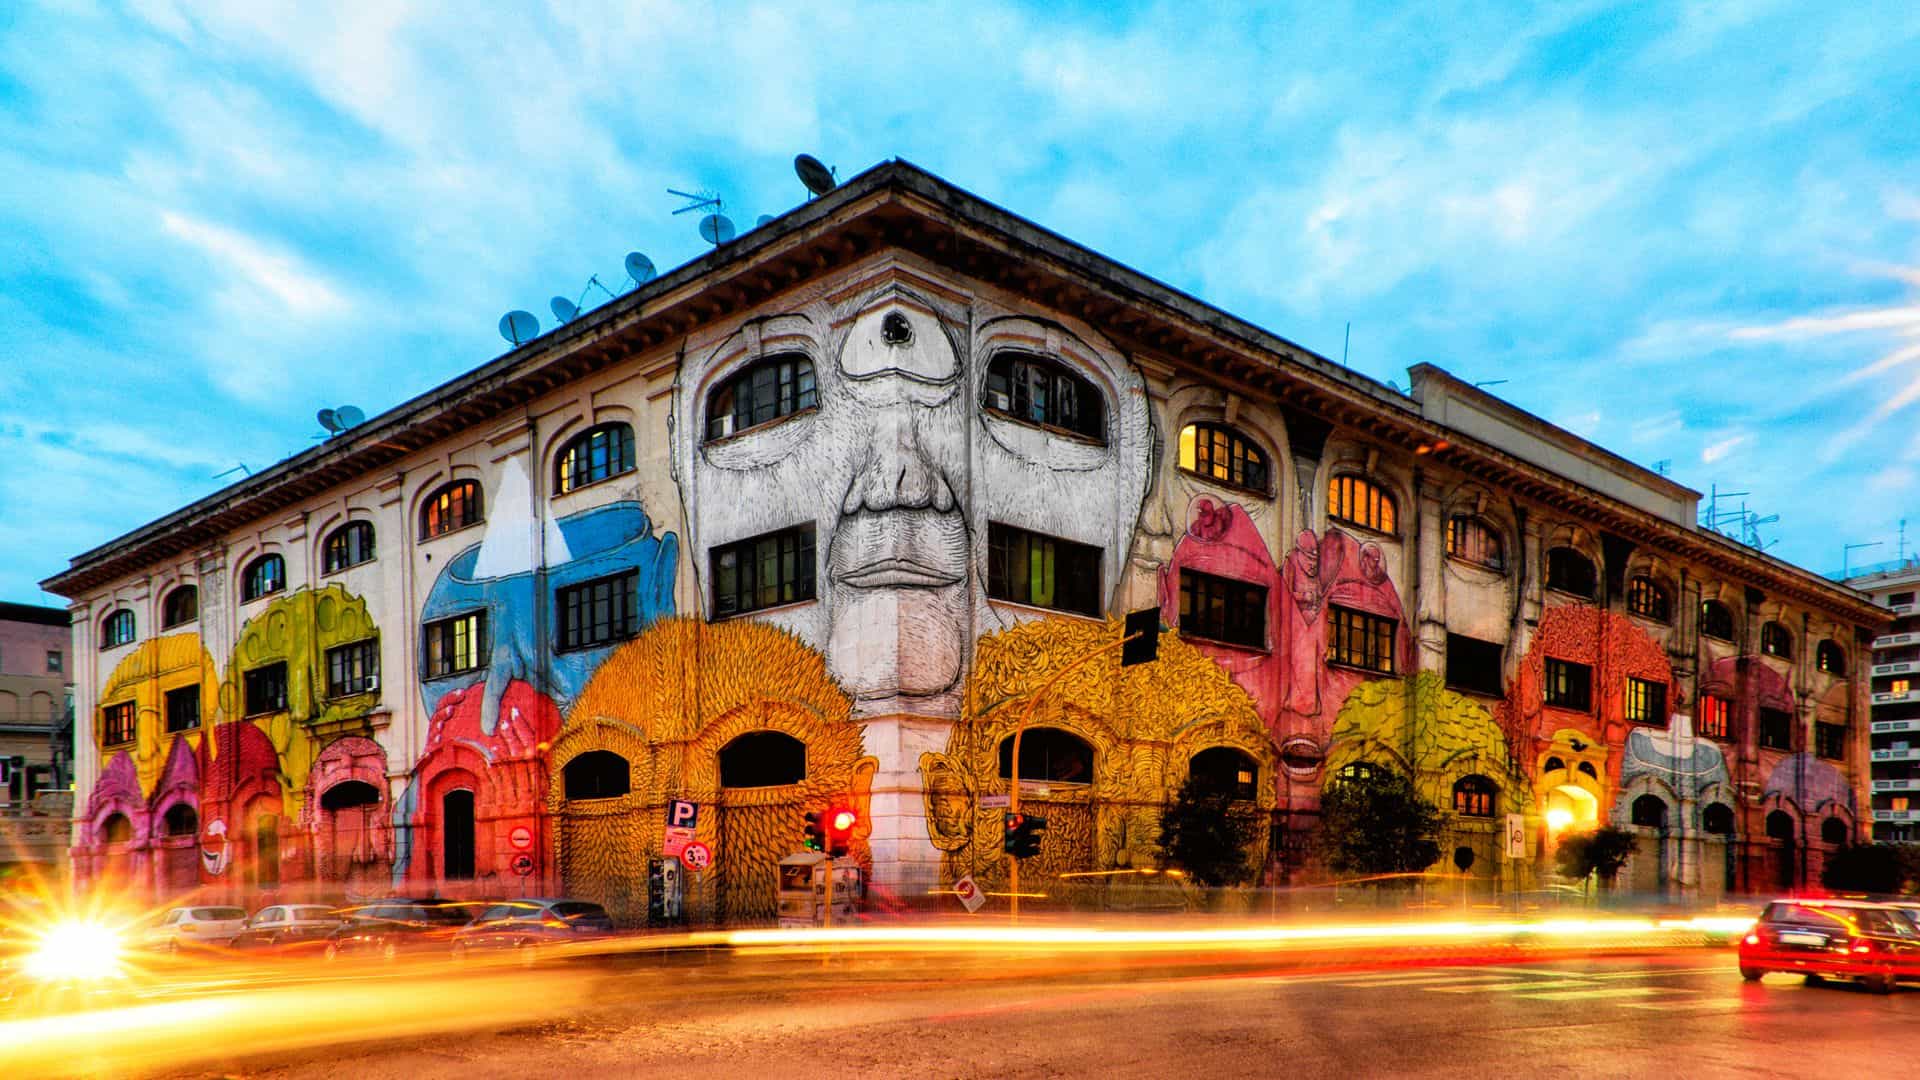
<point x="1418" y="726"/>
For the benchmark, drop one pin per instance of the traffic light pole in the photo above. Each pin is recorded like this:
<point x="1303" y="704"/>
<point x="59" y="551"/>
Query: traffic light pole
<point x="1026" y="717"/>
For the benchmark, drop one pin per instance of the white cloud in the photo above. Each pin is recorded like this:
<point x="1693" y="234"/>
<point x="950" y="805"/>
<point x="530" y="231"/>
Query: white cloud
<point x="1715" y="451"/>
<point x="250" y="265"/>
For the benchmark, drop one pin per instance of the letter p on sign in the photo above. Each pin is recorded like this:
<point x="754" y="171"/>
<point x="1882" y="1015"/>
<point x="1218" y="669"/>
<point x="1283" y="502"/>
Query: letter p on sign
<point x="682" y="814"/>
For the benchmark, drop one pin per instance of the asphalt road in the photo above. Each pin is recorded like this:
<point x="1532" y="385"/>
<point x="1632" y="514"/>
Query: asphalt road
<point x="1677" y="1013"/>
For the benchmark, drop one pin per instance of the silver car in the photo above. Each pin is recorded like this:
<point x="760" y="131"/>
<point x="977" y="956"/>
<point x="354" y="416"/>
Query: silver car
<point x="184" y="927"/>
<point x="288" y="924"/>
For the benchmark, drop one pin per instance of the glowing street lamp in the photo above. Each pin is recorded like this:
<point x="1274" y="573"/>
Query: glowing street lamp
<point x="1559" y="818"/>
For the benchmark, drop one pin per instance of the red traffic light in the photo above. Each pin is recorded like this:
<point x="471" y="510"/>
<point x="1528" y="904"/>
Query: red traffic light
<point x="843" y="820"/>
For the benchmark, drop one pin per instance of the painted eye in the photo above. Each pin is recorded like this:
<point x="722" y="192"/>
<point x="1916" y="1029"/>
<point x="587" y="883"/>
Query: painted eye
<point x="895" y="329"/>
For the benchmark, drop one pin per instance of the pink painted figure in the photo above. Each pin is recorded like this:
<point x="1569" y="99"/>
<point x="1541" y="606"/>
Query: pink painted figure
<point x="1222" y="540"/>
<point x="242" y="827"/>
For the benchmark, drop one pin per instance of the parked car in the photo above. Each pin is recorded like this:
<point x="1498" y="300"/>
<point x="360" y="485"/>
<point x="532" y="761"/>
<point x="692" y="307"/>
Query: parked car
<point x="184" y="927"/>
<point x="387" y="928"/>
<point x="1855" y="939"/>
<point x="527" y="925"/>
<point x="283" y="925"/>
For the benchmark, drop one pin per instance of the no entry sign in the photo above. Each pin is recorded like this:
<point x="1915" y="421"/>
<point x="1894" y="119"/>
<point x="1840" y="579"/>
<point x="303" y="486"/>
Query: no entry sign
<point x="969" y="893"/>
<point x="697" y="856"/>
<point x="521" y="837"/>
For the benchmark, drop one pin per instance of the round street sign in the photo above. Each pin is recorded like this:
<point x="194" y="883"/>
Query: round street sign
<point x="521" y="837"/>
<point x="697" y="856"/>
<point x="523" y="864"/>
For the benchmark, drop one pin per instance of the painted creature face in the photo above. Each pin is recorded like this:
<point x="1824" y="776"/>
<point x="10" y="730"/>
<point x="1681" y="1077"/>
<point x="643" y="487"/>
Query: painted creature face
<point x="899" y="473"/>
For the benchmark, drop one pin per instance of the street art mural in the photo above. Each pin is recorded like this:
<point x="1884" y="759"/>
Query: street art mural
<point x="741" y="718"/>
<point x="243" y="804"/>
<point x="902" y="455"/>
<point x="1813" y="786"/>
<point x="1141" y="726"/>
<point x="345" y="813"/>
<point x="1684" y="771"/>
<point x="1296" y="691"/>
<point x="144" y="677"/>
<point x="1418" y="727"/>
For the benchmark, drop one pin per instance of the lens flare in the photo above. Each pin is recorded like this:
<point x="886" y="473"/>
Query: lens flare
<point x="78" y="951"/>
<point x="1559" y="818"/>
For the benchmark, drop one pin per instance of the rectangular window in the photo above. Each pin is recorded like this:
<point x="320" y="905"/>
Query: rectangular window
<point x="353" y="668"/>
<point x="1223" y="609"/>
<point x="1776" y="729"/>
<point x="1899" y="599"/>
<point x="1474" y="665"/>
<point x="597" y="612"/>
<point x="1830" y="741"/>
<point x="55" y="662"/>
<point x="116" y="724"/>
<point x="266" y="689"/>
<point x="1716" y="717"/>
<point x="1360" y="639"/>
<point x="763" y="572"/>
<point x="183" y="709"/>
<point x="451" y="646"/>
<point x="1569" y="685"/>
<point x="1028" y="568"/>
<point x="1646" y="702"/>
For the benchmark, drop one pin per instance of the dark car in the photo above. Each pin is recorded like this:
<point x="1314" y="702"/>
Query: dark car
<point x="387" y="928"/>
<point x="1851" y="939"/>
<point x="289" y="926"/>
<point x="532" y="924"/>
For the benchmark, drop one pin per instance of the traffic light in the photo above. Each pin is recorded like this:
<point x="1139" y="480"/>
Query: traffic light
<point x="1142" y="637"/>
<point x="1022" y="840"/>
<point x="840" y="823"/>
<point x="816" y="831"/>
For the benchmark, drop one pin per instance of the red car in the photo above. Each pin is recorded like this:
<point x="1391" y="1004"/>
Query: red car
<point x="1853" y="939"/>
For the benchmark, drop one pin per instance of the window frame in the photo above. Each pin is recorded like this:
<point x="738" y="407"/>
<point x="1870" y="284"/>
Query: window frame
<point x="368" y="650"/>
<point x="1241" y="449"/>
<point x="1086" y="394"/>
<point x="447" y="629"/>
<point x="263" y="577"/>
<point x="1822" y="733"/>
<point x="804" y="397"/>
<point x="1559" y="692"/>
<point x="1591" y="573"/>
<point x="1462" y="644"/>
<point x="1042" y="740"/>
<point x="803" y="559"/>
<point x="623" y="611"/>
<point x="1829" y="658"/>
<point x="1378" y="497"/>
<point x="344" y="537"/>
<point x="1063" y="554"/>
<point x="1230" y="594"/>
<point x="1242" y="790"/>
<point x="1481" y="796"/>
<point x="1776" y="640"/>
<point x="619" y="457"/>
<point x="1767" y="719"/>
<point x="1708" y="620"/>
<point x="118" y="628"/>
<point x="119" y="724"/>
<point x="439" y="507"/>
<point x="744" y="765"/>
<point x="1467" y="531"/>
<point x="169" y="616"/>
<point x="261" y="677"/>
<point x="1347" y="625"/>
<point x="168" y="698"/>
<point x="1705" y="726"/>
<point x="1648" y="599"/>
<point x="1644" y="702"/>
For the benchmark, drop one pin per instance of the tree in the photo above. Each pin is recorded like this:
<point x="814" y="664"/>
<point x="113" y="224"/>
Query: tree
<point x="1600" y="853"/>
<point x="1206" y="834"/>
<point x="1869" y="868"/>
<point x="1376" y="823"/>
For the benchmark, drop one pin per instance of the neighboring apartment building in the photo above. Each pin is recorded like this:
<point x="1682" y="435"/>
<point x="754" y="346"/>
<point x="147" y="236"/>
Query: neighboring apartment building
<point x="35" y="739"/>
<point x="1896" y="703"/>
<point x="813" y="518"/>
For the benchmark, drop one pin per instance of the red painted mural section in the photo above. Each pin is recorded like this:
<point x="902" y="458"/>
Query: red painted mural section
<point x="245" y="844"/>
<point x="346" y="814"/>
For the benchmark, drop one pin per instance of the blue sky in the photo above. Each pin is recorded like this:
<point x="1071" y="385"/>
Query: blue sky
<point x="1689" y="232"/>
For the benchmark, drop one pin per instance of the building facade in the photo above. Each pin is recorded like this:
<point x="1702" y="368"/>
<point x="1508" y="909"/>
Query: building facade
<point x="1895" y="689"/>
<point x="35" y="739"/>
<point x="819" y="517"/>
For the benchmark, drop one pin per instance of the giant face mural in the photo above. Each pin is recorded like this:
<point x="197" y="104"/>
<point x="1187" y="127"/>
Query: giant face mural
<point x="900" y="470"/>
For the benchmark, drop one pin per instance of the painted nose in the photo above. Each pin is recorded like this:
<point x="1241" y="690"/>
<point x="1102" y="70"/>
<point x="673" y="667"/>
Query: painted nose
<point x="898" y="473"/>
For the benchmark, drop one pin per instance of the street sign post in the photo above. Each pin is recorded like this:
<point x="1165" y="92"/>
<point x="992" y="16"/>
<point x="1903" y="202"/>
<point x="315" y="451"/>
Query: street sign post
<point x="1516" y="837"/>
<point x="969" y="893"/>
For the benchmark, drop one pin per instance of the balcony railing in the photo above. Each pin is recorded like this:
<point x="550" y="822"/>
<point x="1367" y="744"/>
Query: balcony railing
<point x="1893" y="754"/>
<point x="1882" y="726"/>
<point x="1905" y="784"/>
<point x="1896" y="815"/>
<point x="1897" y="667"/>
<point x="1894" y="641"/>
<point x="1892" y="698"/>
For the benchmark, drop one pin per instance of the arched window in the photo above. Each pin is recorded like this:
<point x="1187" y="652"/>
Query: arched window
<point x="116" y="629"/>
<point x="349" y="545"/>
<point x="1359" y="501"/>
<point x="1776" y="640"/>
<point x="1830" y="657"/>
<point x="454" y="506"/>
<point x="1050" y="754"/>
<point x="1217" y="770"/>
<point x="1553" y="764"/>
<point x="180" y="820"/>
<point x="456" y="835"/>
<point x="1471" y="540"/>
<point x="116" y="830"/>
<point x="1218" y="452"/>
<point x="1834" y="831"/>
<point x="594" y="455"/>
<point x="1648" y="600"/>
<point x="1474" y="796"/>
<point x="1780" y="825"/>
<point x="1357" y="770"/>
<point x="182" y="605"/>
<point x="760" y="393"/>
<point x="1587" y="769"/>
<point x="266" y="574"/>
<point x="1036" y="390"/>
<point x="1571" y="572"/>
<point x="597" y="774"/>
<point x="348" y="794"/>
<point x="1717" y="819"/>
<point x="1650" y="812"/>
<point x="1716" y="620"/>
<point x="763" y="759"/>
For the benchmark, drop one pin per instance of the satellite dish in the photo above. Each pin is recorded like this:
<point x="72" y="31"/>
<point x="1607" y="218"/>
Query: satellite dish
<point x="349" y="416"/>
<point x="563" y="309"/>
<point x="639" y="268"/>
<point x="519" y="327"/>
<point x="818" y="178"/>
<point x="329" y="420"/>
<point x="765" y="219"/>
<point x="716" y="229"/>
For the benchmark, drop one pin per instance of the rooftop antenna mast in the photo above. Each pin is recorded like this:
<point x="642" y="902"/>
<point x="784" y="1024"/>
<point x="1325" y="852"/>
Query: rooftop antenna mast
<point x="1846" y="550"/>
<point x="716" y="228"/>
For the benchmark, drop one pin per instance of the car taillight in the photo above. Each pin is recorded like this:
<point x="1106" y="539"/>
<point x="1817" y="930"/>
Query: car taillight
<point x="1753" y="939"/>
<point x="1863" y="946"/>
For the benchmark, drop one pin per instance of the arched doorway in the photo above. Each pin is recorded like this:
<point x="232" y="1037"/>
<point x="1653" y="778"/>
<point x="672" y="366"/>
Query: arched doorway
<point x="1648" y="873"/>
<point x="761" y="795"/>
<point x="601" y="857"/>
<point x="350" y="850"/>
<point x="1056" y="782"/>
<point x="1717" y="822"/>
<point x="179" y="854"/>
<point x="1780" y="830"/>
<point x="457" y="846"/>
<point x="1222" y="770"/>
<point x="265" y="866"/>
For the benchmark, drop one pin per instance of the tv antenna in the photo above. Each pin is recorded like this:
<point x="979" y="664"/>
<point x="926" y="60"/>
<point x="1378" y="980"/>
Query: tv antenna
<point x="716" y="227"/>
<point x="1664" y="467"/>
<point x="240" y="468"/>
<point x="565" y="310"/>
<point x="817" y="177"/>
<point x="519" y="327"/>
<point x="1847" y="550"/>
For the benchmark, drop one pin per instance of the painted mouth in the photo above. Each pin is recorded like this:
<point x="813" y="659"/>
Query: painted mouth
<point x="897" y="574"/>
